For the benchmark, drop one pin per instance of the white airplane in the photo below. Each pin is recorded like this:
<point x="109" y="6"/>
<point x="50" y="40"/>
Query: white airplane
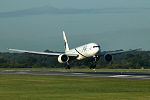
<point x="91" y="50"/>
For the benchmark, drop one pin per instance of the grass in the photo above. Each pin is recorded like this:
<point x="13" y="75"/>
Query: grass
<point x="30" y="87"/>
<point x="83" y="69"/>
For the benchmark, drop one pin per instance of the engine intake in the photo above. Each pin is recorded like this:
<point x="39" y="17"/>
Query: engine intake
<point x="63" y="58"/>
<point x="108" y="57"/>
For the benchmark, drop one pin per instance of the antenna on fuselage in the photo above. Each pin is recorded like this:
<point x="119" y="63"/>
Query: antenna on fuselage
<point x="66" y="43"/>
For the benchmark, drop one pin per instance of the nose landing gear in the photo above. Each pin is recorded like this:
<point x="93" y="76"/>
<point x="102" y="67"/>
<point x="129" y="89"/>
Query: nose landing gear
<point x="93" y="66"/>
<point x="95" y="59"/>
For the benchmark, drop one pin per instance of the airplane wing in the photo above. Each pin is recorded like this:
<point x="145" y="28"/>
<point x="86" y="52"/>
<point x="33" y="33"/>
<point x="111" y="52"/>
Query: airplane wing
<point x="41" y="53"/>
<point x="119" y="52"/>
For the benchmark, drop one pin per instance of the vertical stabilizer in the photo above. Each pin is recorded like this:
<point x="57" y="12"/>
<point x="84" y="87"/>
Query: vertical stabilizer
<point x="66" y="43"/>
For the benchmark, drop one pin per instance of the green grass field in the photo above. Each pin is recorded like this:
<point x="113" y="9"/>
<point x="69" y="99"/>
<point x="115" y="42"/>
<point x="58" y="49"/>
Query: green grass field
<point x="30" y="87"/>
<point x="83" y="69"/>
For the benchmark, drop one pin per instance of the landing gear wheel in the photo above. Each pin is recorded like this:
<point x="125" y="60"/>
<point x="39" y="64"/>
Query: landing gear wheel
<point x="93" y="66"/>
<point x="68" y="67"/>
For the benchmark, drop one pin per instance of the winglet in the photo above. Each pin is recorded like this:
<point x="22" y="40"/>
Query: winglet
<point x="66" y="43"/>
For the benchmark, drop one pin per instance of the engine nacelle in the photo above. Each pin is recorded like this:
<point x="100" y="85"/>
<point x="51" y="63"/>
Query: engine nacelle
<point x="108" y="57"/>
<point x="63" y="58"/>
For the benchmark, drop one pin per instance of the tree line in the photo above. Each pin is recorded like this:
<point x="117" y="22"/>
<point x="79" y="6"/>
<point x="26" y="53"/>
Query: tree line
<point x="130" y="60"/>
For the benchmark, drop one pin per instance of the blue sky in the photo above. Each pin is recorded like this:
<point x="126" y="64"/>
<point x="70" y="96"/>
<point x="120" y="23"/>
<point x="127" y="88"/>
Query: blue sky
<point x="38" y="24"/>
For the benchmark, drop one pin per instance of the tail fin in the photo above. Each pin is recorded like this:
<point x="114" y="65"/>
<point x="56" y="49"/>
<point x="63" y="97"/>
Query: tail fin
<point x="66" y="43"/>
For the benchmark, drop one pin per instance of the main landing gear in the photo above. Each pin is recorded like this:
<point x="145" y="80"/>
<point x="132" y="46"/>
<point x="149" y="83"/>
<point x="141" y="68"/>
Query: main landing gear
<point x="68" y="66"/>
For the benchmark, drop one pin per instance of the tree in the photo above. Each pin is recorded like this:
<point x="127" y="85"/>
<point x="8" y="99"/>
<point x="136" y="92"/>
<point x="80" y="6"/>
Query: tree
<point x="4" y="60"/>
<point x="29" y="61"/>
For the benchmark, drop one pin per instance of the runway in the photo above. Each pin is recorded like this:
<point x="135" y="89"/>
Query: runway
<point x="127" y="75"/>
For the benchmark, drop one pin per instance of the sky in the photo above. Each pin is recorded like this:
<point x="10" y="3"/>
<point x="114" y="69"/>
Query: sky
<point x="37" y="25"/>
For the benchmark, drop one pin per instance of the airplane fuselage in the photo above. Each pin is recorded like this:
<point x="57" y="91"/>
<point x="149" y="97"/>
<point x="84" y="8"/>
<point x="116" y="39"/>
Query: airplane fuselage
<point x="85" y="51"/>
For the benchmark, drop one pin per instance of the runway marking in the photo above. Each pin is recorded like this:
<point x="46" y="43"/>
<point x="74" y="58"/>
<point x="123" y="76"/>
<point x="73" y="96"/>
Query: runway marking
<point x="79" y="73"/>
<point x="121" y="76"/>
<point x="131" y="76"/>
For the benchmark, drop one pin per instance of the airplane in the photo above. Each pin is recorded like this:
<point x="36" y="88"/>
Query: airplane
<point x="90" y="50"/>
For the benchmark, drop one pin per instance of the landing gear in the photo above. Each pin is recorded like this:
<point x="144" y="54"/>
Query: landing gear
<point x="93" y="65"/>
<point x="95" y="59"/>
<point x="68" y="66"/>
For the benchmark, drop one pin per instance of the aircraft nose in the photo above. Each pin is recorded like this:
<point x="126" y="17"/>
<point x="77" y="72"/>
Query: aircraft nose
<point x="97" y="49"/>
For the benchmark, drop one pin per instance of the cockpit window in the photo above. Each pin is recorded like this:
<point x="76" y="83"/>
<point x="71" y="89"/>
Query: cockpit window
<point x="96" y="46"/>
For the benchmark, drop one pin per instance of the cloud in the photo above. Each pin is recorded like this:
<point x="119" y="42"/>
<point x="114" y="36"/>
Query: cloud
<point x="57" y="11"/>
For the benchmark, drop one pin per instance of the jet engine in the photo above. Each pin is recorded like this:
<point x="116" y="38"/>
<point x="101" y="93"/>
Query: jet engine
<point x="108" y="57"/>
<point x="63" y="58"/>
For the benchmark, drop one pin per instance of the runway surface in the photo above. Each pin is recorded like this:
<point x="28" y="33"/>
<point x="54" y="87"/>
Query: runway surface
<point x="128" y="75"/>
